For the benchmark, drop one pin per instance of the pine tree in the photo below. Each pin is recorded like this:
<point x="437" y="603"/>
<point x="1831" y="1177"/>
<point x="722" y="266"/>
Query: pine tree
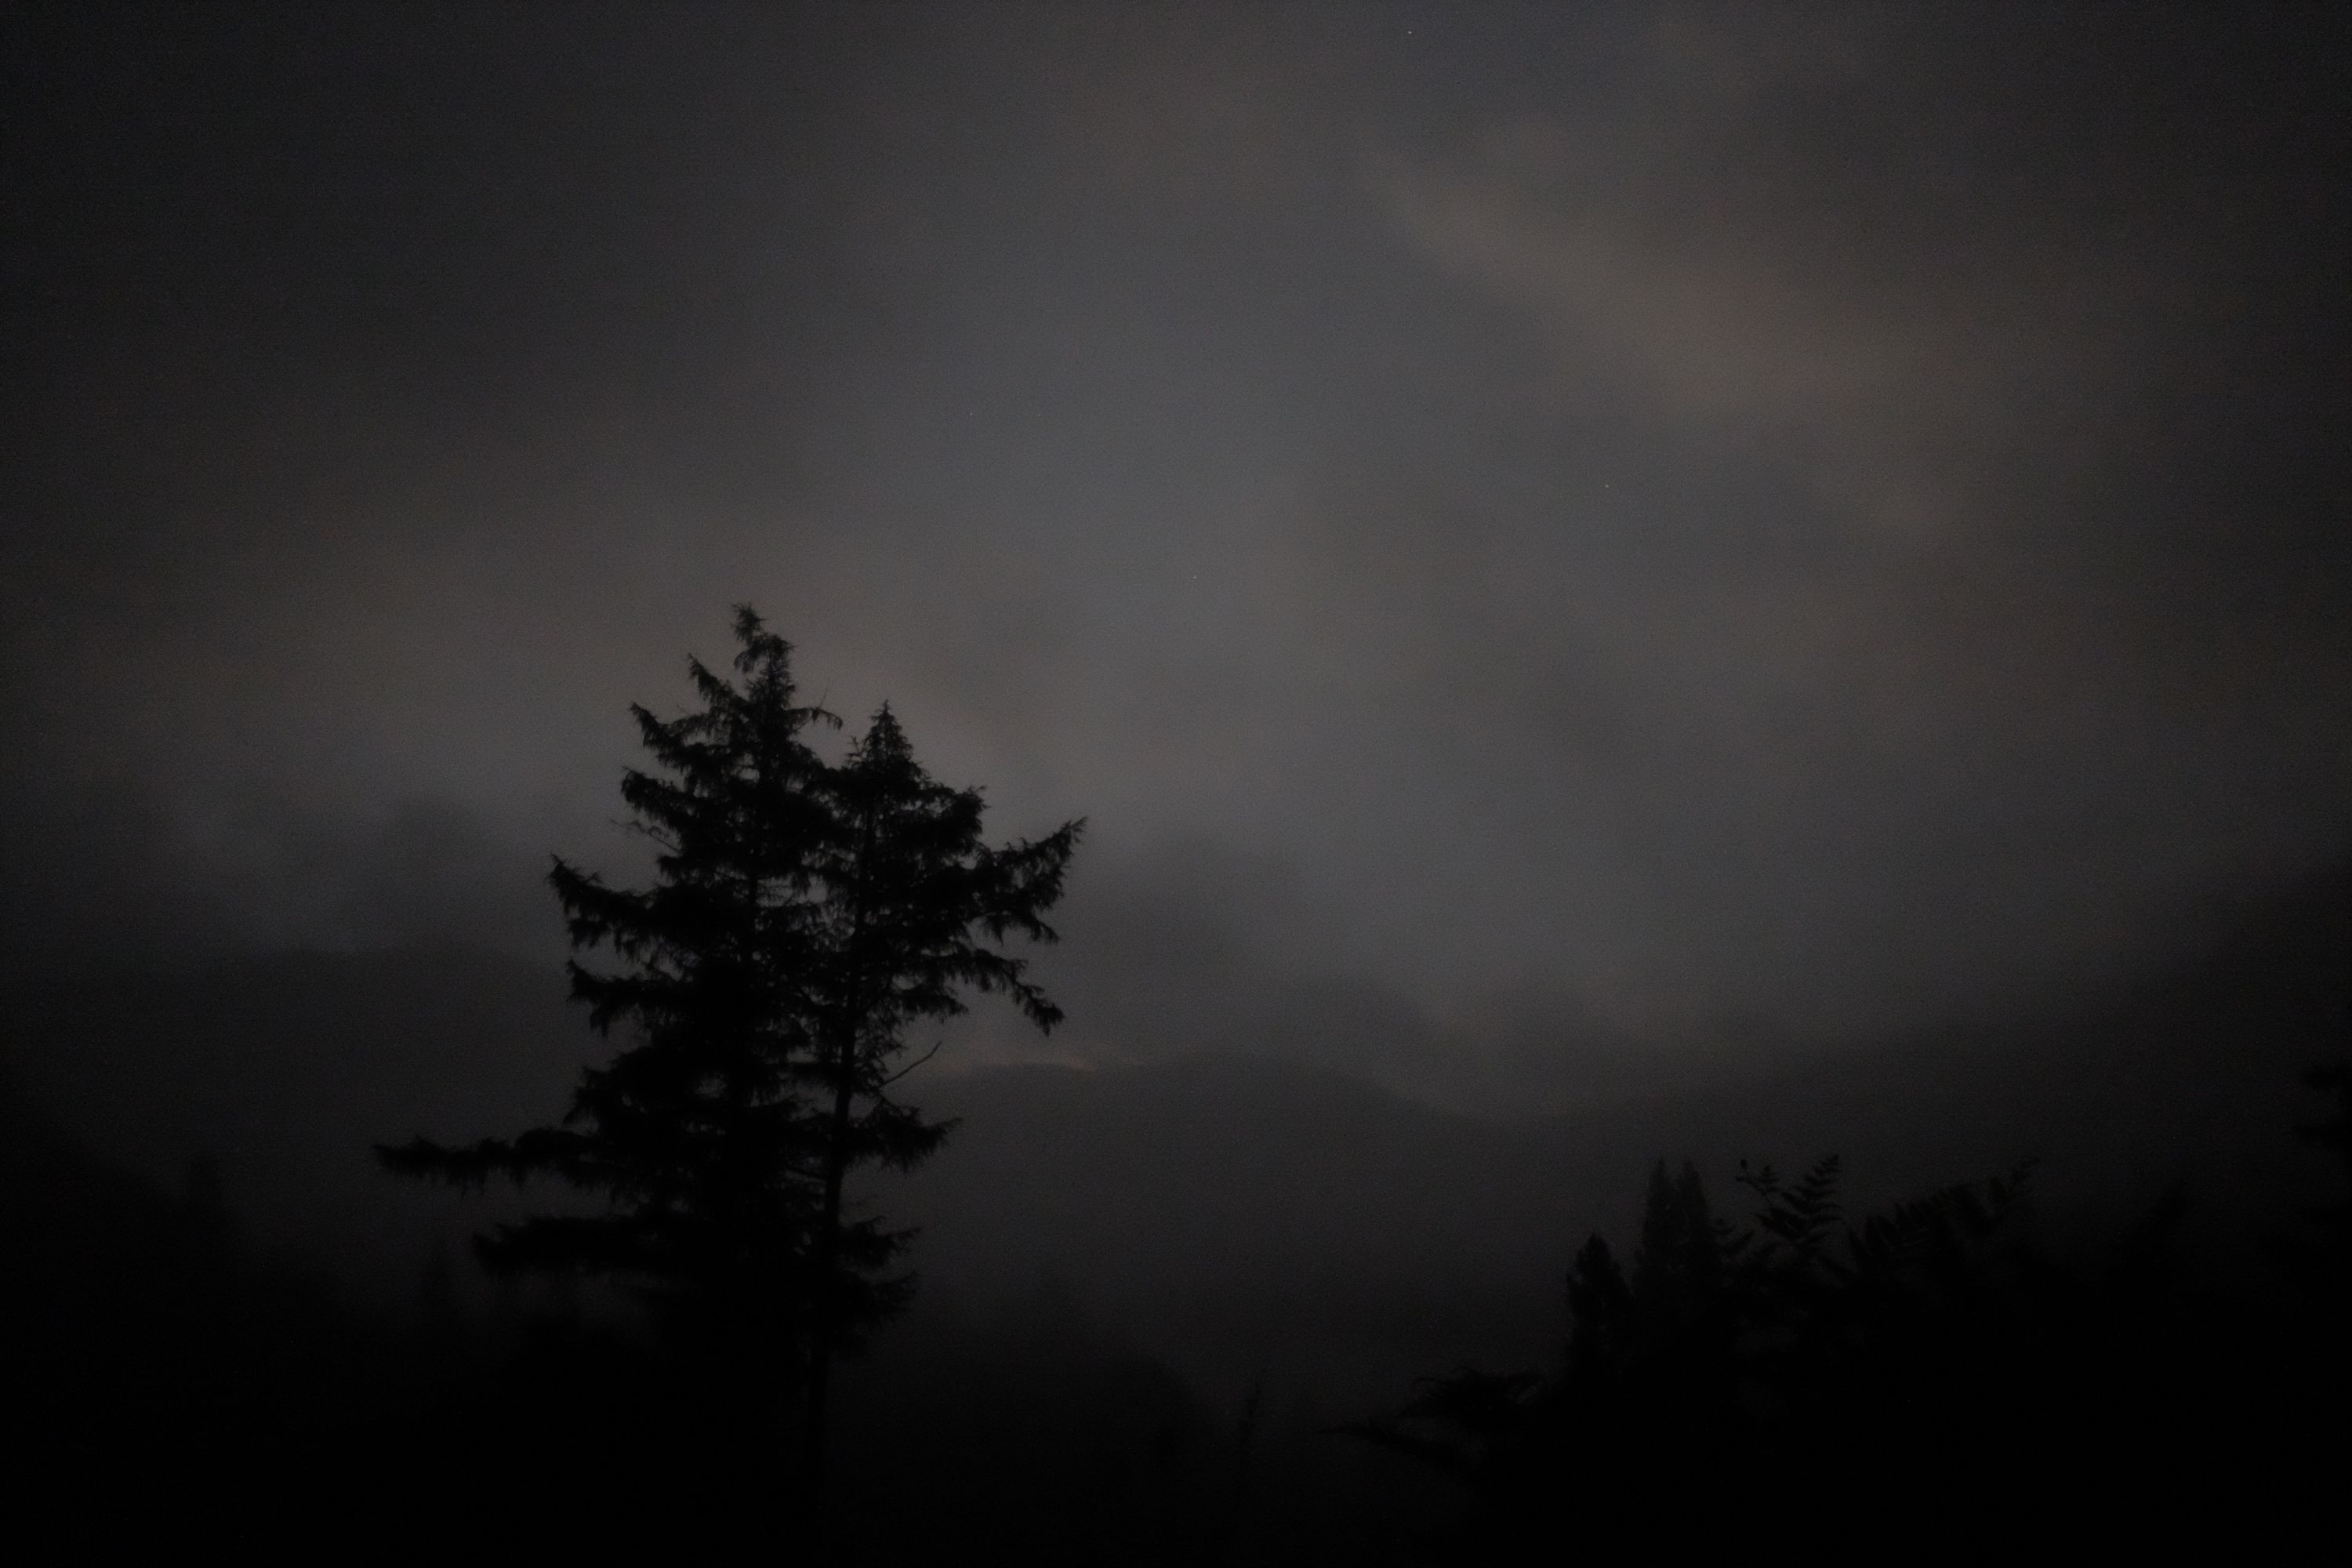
<point x="803" y="914"/>
<point x="917" y="907"/>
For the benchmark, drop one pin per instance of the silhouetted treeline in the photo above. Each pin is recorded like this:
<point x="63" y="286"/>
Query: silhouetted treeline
<point x="167" y="1386"/>
<point x="1909" y="1380"/>
<point x="1756" y="1362"/>
<point x="1753" y="1363"/>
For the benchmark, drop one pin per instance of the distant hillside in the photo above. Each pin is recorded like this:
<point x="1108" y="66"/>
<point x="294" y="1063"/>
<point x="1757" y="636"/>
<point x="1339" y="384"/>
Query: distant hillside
<point x="1234" y="1214"/>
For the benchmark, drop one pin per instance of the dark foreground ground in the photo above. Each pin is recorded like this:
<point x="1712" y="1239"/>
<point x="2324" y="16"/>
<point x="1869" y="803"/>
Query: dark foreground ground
<point x="168" y="1388"/>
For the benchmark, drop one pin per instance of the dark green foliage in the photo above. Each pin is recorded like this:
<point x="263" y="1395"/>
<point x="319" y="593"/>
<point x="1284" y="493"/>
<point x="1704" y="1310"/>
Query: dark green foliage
<point x="804" y="915"/>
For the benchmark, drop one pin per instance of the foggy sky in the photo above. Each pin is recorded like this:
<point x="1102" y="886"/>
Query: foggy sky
<point x="1526" y="534"/>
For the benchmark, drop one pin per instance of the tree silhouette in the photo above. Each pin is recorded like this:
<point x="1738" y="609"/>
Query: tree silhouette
<point x="803" y="914"/>
<point x="1736" y="1366"/>
<point x="914" y="906"/>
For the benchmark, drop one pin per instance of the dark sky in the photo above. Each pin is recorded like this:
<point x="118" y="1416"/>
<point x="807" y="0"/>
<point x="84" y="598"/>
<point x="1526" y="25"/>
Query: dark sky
<point x="1538" y="535"/>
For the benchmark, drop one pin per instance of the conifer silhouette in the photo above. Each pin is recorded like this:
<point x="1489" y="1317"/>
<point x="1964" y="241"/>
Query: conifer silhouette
<point x="803" y="915"/>
<point x="913" y="908"/>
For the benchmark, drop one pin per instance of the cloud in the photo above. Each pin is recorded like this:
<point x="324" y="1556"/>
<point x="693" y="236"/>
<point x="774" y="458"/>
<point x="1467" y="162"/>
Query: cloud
<point x="1861" y="593"/>
<point x="1792" y="518"/>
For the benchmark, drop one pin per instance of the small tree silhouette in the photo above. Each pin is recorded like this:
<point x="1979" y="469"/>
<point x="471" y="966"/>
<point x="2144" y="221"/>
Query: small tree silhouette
<point x="803" y="914"/>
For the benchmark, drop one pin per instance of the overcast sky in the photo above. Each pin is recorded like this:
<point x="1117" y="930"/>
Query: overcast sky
<point x="1529" y="532"/>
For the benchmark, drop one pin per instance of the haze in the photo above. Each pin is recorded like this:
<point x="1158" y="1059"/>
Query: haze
<point x="1613" y="581"/>
<point x="1650" y="529"/>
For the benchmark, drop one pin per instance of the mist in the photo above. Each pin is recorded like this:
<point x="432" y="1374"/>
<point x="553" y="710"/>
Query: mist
<point x="1624" y="585"/>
